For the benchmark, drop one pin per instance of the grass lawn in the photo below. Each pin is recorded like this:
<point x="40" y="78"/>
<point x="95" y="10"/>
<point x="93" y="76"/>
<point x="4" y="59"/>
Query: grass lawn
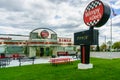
<point x="104" y="69"/>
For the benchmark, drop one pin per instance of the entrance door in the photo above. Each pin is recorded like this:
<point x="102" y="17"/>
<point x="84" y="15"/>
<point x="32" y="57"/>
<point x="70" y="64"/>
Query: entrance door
<point x="47" y="51"/>
<point x="41" y="51"/>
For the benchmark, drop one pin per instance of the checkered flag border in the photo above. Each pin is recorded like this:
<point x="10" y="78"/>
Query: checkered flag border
<point x="92" y="23"/>
<point x="93" y="5"/>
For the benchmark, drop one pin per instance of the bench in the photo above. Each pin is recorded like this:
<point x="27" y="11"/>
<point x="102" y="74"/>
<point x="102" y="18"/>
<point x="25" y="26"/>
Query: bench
<point x="26" y="59"/>
<point x="73" y="54"/>
<point x="62" y="53"/>
<point x="4" y="62"/>
<point x="16" y="56"/>
<point x="55" y="61"/>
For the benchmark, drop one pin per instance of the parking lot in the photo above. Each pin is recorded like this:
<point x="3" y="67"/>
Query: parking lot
<point x="107" y="55"/>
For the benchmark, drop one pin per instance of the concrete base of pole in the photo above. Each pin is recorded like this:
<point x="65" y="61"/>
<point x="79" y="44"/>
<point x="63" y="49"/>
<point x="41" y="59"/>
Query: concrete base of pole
<point x="85" y="66"/>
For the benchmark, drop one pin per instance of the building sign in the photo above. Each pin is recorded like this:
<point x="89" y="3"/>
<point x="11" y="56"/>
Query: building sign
<point x="96" y="13"/>
<point x="44" y="34"/>
<point x="86" y="37"/>
<point x="64" y="40"/>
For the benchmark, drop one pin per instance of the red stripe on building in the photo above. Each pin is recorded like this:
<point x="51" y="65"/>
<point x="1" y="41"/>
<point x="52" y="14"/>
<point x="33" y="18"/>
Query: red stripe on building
<point x="19" y="43"/>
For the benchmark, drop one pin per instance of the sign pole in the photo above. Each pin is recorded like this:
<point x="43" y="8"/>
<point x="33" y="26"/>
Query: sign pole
<point x="85" y="57"/>
<point x="85" y="54"/>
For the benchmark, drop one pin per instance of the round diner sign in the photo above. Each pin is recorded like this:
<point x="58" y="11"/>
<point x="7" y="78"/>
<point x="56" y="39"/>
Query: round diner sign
<point x="44" y="34"/>
<point x="96" y="13"/>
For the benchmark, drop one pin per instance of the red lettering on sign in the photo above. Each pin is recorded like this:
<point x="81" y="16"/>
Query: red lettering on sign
<point x="44" y="34"/>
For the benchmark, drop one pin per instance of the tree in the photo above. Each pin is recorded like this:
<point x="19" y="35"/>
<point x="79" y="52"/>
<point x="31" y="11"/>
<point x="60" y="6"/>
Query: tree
<point x="116" y="45"/>
<point x="97" y="48"/>
<point x="103" y="47"/>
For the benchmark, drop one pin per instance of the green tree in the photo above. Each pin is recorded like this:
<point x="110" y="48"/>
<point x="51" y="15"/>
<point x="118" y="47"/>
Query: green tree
<point x="103" y="47"/>
<point x="97" y="48"/>
<point x="116" y="45"/>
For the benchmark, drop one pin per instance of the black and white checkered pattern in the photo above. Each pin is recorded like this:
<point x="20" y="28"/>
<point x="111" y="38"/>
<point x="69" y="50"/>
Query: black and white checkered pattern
<point x="92" y="23"/>
<point x="93" y="5"/>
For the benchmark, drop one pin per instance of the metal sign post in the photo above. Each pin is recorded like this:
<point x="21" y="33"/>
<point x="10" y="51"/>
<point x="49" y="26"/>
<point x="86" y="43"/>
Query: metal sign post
<point x="85" y="53"/>
<point x="85" y="49"/>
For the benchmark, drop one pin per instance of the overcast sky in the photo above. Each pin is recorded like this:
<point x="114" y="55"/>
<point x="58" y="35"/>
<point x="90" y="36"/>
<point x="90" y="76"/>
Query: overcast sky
<point x="65" y="17"/>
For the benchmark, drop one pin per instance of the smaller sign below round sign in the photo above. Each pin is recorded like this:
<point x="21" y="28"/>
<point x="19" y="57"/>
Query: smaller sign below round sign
<point x="44" y="34"/>
<point x="96" y="14"/>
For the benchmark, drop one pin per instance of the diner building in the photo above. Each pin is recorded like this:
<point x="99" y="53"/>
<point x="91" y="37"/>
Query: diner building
<point x="41" y="42"/>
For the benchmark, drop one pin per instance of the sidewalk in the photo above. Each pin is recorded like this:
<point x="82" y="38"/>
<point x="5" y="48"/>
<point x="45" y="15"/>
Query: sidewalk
<point x="43" y="60"/>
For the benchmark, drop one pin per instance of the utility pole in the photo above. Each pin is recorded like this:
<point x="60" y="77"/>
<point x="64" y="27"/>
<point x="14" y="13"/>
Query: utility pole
<point x="111" y="34"/>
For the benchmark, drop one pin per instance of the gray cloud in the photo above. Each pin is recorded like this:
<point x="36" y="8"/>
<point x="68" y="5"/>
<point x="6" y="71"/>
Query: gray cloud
<point x="12" y="5"/>
<point x="116" y="25"/>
